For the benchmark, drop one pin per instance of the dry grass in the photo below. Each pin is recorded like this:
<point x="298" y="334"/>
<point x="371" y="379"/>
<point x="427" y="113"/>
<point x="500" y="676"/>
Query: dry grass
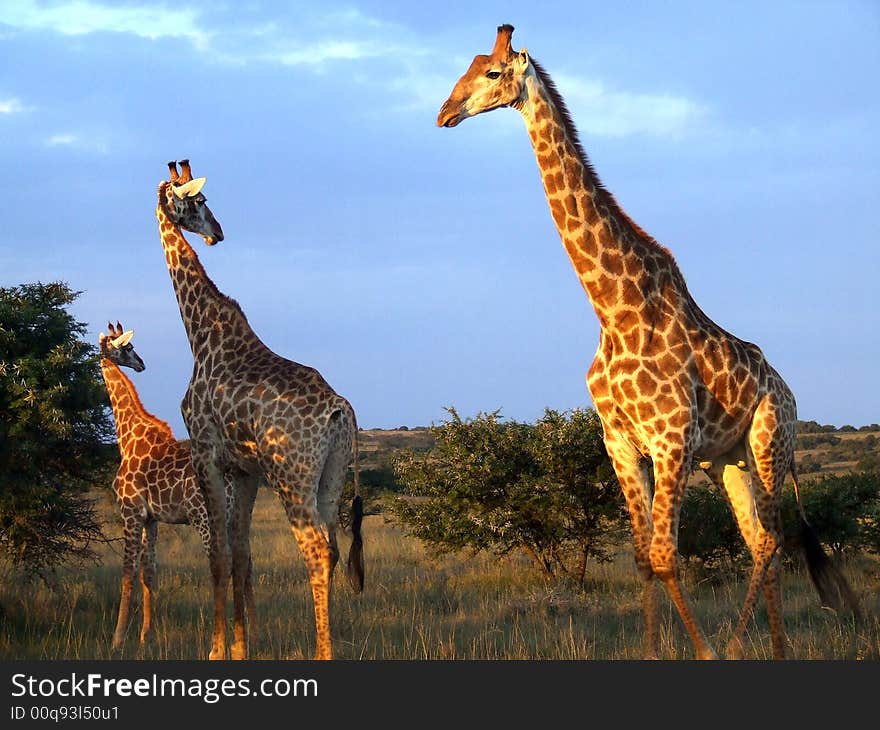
<point x="414" y="607"/>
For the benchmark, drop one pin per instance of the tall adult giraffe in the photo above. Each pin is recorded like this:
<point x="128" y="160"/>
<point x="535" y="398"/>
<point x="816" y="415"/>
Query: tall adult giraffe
<point x="154" y="483"/>
<point x="253" y="413"/>
<point x="669" y="384"/>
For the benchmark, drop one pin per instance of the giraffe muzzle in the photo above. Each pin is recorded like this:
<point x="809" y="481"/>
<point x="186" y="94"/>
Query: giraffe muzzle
<point x="450" y="114"/>
<point x="216" y="234"/>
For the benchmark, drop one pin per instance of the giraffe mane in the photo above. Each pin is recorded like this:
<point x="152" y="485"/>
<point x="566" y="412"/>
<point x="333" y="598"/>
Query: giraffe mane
<point x="155" y="421"/>
<point x="602" y="193"/>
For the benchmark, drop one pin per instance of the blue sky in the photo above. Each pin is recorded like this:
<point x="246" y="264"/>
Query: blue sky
<point x="419" y="268"/>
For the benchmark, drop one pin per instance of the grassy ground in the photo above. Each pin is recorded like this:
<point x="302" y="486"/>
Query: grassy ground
<point x="414" y="607"/>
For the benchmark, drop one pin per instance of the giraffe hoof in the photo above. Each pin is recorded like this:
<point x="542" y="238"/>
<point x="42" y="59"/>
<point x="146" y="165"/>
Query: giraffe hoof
<point x="707" y="654"/>
<point x="238" y="651"/>
<point x="217" y="654"/>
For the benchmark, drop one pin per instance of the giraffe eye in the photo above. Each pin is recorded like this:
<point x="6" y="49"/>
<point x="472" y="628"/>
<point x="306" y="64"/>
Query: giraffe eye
<point x="493" y="74"/>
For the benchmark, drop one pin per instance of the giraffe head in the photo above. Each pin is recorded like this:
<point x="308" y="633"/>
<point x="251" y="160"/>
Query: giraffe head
<point x="185" y="203"/>
<point x="117" y="348"/>
<point x="491" y="82"/>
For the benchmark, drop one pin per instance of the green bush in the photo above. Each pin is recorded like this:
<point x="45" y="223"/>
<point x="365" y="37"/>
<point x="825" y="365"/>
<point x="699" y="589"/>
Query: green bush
<point x="56" y="436"/>
<point x="488" y="484"/>
<point x="841" y="509"/>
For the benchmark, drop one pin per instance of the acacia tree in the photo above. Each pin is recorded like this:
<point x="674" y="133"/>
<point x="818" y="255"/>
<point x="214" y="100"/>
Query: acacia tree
<point x="55" y="432"/>
<point x="488" y="484"/>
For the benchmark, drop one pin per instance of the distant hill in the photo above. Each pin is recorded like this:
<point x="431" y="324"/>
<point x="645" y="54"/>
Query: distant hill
<point x="822" y="450"/>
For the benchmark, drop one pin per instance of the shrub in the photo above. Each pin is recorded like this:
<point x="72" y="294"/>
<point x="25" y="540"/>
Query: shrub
<point x="488" y="484"/>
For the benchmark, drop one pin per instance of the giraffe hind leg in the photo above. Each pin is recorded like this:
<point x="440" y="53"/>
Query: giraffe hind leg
<point x="245" y="491"/>
<point x="769" y="453"/>
<point x="734" y="481"/>
<point x="298" y="496"/>
<point x="148" y="577"/>
<point x="332" y="478"/>
<point x="211" y="483"/>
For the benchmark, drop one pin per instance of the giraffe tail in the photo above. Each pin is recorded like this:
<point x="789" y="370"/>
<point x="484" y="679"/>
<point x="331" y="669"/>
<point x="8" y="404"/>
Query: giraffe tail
<point x="355" y="567"/>
<point x="831" y="585"/>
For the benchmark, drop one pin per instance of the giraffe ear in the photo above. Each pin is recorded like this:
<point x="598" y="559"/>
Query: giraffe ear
<point x="123" y="339"/>
<point x="189" y="189"/>
<point x="522" y="58"/>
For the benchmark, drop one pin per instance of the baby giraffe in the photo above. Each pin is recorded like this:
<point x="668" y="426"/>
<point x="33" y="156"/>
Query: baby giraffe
<point x="155" y="481"/>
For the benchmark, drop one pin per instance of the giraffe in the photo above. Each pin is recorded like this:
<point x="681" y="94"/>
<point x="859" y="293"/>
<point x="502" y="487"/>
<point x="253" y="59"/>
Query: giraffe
<point x="671" y="387"/>
<point x="154" y="482"/>
<point x="255" y="414"/>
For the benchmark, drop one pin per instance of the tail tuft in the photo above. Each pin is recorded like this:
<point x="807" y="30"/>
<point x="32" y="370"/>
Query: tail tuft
<point x="834" y="590"/>
<point x="355" y="568"/>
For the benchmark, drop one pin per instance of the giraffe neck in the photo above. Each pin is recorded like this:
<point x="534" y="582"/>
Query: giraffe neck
<point x="206" y="312"/>
<point x="132" y="420"/>
<point x="618" y="264"/>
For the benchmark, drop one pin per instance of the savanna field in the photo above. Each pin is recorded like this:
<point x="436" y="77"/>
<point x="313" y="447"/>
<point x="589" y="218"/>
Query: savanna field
<point x="415" y="605"/>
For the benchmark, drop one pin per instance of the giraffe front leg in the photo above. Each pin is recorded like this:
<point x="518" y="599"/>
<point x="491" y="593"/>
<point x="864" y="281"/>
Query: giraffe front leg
<point x="670" y="475"/>
<point x="132" y="534"/>
<point x="634" y="477"/>
<point x="148" y="577"/>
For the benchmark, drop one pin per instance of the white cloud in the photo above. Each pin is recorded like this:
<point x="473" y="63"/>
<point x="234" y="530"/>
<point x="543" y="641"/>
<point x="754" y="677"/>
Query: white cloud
<point x="80" y="17"/>
<point x="317" y="54"/>
<point x="62" y="139"/>
<point x="11" y="106"/>
<point x="409" y="66"/>
<point x="602" y="112"/>
<point x="69" y="139"/>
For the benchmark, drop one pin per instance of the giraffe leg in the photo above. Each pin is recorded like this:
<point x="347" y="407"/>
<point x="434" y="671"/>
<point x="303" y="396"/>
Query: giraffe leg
<point x="332" y="481"/>
<point x="132" y="530"/>
<point x="764" y="556"/>
<point x="317" y="553"/>
<point x="250" y="601"/>
<point x="670" y="475"/>
<point x="634" y="477"/>
<point x="314" y="544"/>
<point x="736" y="485"/>
<point x="210" y="479"/>
<point x="773" y="598"/>
<point x="770" y="457"/>
<point x="242" y="590"/>
<point x="148" y="577"/>
<point x="230" y="512"/>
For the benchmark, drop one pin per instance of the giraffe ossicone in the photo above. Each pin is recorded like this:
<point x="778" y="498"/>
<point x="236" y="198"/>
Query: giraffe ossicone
<point x="670" y="386"/>
<point x="252" y="414"/>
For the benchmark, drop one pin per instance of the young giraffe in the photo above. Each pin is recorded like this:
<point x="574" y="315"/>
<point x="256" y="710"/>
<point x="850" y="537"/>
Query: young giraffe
<point x="669" y="385"/>
<point x="154" y="483"/>
<point x="255" y="413"/>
